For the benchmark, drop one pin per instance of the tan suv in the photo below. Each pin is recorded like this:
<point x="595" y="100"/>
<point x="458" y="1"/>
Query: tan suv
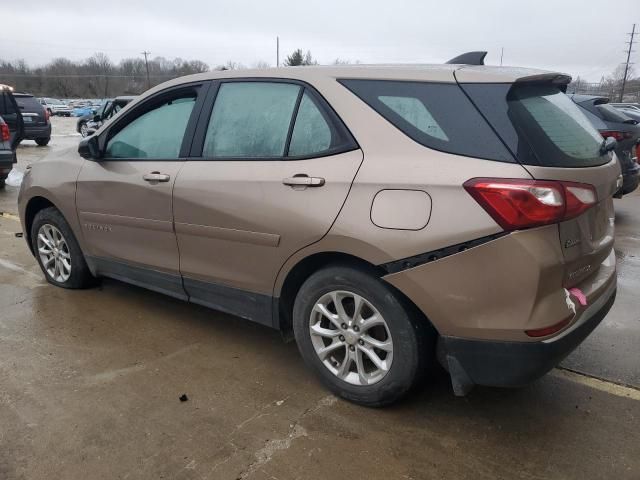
<point x="387" y="216"/>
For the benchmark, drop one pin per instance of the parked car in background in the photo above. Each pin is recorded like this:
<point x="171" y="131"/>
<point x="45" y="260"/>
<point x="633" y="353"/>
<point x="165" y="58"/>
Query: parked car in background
<point x="11" y="131"/>
<point x="37" y="126"/>
<point x="83" y="111"/>
<point x="88" y="124"/>
<point x="388" y="217"/>
<point x="56" y="107"/>
<point x="611" y="122"/>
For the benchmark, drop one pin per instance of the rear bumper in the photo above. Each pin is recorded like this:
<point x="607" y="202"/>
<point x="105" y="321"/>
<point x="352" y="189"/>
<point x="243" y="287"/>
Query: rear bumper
<point x="514" y="364"/>
<point x="37" y="131"/>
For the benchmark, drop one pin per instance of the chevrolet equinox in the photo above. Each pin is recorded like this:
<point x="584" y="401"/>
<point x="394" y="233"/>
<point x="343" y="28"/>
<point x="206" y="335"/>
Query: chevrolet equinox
<point x="389" y="217"/>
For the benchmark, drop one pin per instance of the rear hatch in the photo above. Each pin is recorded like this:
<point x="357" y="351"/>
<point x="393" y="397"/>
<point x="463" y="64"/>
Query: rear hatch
<point x="32" y="112"/>
<point x="553" y="140"/>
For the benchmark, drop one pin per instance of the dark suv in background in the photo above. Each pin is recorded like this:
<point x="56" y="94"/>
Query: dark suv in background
<point x="612" y="122"/>
<point x="37" y="126"/>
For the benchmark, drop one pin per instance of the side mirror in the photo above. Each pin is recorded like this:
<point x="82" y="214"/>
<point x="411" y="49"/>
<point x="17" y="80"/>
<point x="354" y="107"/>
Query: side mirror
<point x="609" y="144"/>
<point x="89" y="148"/>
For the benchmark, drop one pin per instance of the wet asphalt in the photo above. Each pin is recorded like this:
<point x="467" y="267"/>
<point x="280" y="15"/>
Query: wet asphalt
<point x="90" y="384"/>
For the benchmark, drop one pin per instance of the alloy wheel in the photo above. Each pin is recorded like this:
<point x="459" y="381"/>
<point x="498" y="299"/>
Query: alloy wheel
<point x="54" y="253"/>
<point x="351" y="338"/>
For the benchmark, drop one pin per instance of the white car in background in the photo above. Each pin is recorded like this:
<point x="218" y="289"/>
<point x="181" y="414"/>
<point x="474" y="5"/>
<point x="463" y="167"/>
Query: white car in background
<point x="56" y="107"/>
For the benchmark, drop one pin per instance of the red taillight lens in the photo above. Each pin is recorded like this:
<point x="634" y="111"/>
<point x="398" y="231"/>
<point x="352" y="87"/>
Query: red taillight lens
<point x="519" y="204"/>
<point x="5" y="135"/>
<point x="46" y="116"/>
<point x="543" y="332"/>
<point x="638" y="153"/>
<point x="618" y="135"/>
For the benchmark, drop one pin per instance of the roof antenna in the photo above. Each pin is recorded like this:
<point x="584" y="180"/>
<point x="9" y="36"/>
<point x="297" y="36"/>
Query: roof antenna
<point x="469" y="58"/>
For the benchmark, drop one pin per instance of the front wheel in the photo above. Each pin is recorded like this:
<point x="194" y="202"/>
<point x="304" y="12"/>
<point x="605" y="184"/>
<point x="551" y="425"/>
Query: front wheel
<point x="359" y="337"/>
<point x="57" y="251"/>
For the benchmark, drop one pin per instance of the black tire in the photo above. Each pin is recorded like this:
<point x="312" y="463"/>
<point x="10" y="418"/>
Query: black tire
<point x="43" y="142"/>
<point x="3" y="182"/>
<point x="411" y="335"/>
<point x="80" y="276"/>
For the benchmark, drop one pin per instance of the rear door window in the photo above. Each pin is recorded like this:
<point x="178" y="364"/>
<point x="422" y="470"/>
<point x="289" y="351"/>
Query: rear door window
<point x="251" y="120"/>
<point x="436" y="115"/>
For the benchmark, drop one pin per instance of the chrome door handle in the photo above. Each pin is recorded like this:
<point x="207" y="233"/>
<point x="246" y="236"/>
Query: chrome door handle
<point x="156" y="177"/>
<point x="303" y="181"/>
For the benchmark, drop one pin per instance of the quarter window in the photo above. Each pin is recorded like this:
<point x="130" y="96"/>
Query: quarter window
<point x="251" y="119"/>
<point x="157" y="133"/>
<point x="311" y="133"/>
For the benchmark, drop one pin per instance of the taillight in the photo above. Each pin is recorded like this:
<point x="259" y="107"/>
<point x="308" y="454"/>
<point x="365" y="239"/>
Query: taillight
<point x="638" y="153"/>
<point x="46" y="116"/>
<point x="518" y="204"/>
<point x="543" y="332"/>
<point x="5" y="135"/>
<point x="618" y="135"/>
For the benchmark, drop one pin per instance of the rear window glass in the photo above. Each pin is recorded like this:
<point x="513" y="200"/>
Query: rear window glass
<point x="28" y="103"/>
<point x="436" y="115"/>
<point x="540" y="124"/>
<point x="612" y="114"/>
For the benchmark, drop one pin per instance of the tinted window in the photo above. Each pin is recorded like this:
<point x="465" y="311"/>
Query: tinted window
<point x="28" y="103"/>
<point x="157" y="133"/>
<point x="311" y="132"/>
<point x="541" y="124"/>
<point x="250" y="119"/>
<point x="438" y="116"/>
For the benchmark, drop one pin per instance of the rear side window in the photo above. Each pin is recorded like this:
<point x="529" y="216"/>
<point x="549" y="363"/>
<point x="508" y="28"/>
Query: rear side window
<point x="272" y="120"/>
<point x="251" y="119"/>
<point x="540" y="124"/>
<point x="436" y="115"/>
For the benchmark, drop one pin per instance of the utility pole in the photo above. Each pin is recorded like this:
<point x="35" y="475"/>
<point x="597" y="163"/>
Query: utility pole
<point x="277" y="51"/>
<point x="146" y="63"/>
<point x="501" y="55"/>
<point x="626" y="67"/>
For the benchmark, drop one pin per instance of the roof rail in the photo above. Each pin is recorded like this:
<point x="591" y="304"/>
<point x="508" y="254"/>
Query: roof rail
<point x="469" y="58"/>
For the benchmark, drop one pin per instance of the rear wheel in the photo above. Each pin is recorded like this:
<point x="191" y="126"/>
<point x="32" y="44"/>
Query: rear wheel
<point x="57" y="251"/>
<point x="3" y="182"/>
<point x="43" y="142"/>
<point x="358" y="336"/>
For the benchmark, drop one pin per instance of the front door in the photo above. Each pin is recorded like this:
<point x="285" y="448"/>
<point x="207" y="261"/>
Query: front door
<point x="273" y="165"/>
<point x="124" y="200"/>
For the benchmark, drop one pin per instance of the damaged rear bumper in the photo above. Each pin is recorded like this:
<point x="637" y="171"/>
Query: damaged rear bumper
<point x="514" y="364"/>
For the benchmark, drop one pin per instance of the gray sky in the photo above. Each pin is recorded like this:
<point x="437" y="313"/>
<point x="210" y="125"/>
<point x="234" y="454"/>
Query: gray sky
<point x="581" y="37"/>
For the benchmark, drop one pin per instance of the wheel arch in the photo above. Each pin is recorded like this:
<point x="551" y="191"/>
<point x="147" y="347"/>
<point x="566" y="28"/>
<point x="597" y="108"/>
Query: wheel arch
<point x="34" y="205"/>
<point x="303" y="269"/>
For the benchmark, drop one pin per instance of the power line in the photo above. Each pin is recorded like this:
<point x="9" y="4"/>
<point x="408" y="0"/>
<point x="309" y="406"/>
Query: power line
<point x="146" y="62"/>
<point x="626" y="67"/>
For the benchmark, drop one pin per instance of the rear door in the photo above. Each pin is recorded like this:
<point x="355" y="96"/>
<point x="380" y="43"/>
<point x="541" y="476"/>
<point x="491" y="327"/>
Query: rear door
<point x="554" y="140"/>
<point x="271" y="167"/>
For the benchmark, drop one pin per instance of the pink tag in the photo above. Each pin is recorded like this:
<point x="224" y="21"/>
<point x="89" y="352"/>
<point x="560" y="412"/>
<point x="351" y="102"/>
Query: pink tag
<point x="576" y="292"/>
